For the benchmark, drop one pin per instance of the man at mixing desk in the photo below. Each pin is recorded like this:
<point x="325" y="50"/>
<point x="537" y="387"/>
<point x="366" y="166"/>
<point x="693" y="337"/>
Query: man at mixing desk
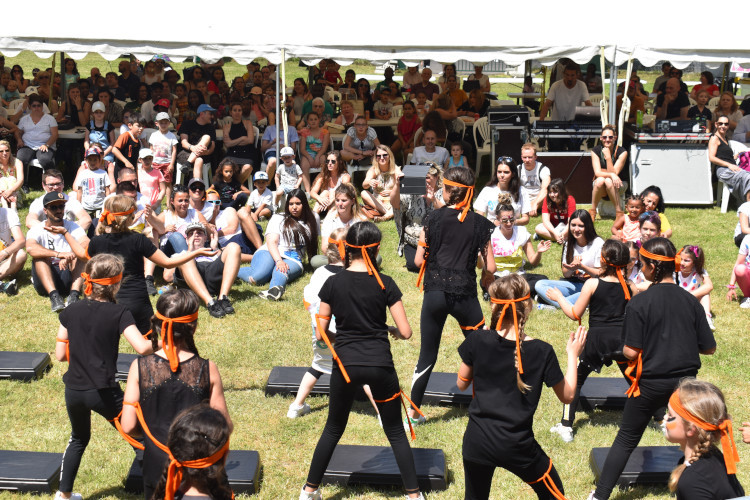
<point x="673" y="104"/>
<point x="566" y="94"/>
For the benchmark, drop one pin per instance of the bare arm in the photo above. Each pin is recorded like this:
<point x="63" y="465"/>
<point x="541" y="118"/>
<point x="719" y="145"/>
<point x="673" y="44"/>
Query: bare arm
<point x="217" y="400"/>
<point x="141" y="345"/>
<point x="713" y="145"/>
<point x="402" y="330"/>
<point x="566" y="389"/>
<point x="465" y="376"/>
<point x="545" y="108"/>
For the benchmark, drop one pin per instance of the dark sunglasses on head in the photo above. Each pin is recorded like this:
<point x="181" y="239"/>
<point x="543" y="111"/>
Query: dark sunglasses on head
<point x="504" y="158"/>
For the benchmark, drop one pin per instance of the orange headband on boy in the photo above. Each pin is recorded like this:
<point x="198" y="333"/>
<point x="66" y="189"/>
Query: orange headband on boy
<point x="620" y="276"/>
<point x="728" y="448"/>
<point x="370" y="266"/>
<point x="662" y="258"/>
<point x="174" y="473"/>
<point x="99" y="281"/>
<point x="167" y="336"/>
<point x="339" y="244"/>
<point x="512" y="304"/>
<point x="466" y="202"/>
<point x="109" y="217"/>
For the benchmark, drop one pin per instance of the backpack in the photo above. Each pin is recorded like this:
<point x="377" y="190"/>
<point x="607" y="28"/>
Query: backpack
<point x="743" y="161"/>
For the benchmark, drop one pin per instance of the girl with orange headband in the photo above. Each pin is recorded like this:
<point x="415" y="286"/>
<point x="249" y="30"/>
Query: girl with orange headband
<point x="664" y="333"/>
<point x="362" y="353"/>
<point x="697" y="420"/>
<point x="172" y="379"/>
<point x="88" y="338"/>
<point x="508" y="369"/>
<point x="606" y="298"/>
<point x="198" y="441"/>
<point x="452" y="239"/>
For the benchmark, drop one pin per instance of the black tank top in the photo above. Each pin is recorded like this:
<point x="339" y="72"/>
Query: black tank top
<point x="237" y="130"/>
<point x="724" y="152"/>
<point x="607" y="306"/>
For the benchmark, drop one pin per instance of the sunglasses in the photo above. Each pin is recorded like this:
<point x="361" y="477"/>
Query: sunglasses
<point x="197" y="188"/>
<point x="508" y="221"/>
<point x="36" y="105"/>
<point x="331" y="162"/>
<point x="608" y="137"/>
<point x="56" y="207"/>
<point x="214" y="202"/>
<point x="722" y="124"/>
<point x="504" y="158"/>
<point x="382" y="156"/>
<point x="54" y="184"/>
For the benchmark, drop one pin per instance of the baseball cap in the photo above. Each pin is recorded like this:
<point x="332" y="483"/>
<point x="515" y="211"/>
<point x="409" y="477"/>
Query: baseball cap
<point x="93" y="152"/>
<point x="98" y="106"/>
<point x="144" y="152"/>
<point x="53" y="197"/>
<point x="161" y="116"/>
<point x="205" y="107"/>
<point x="196" y="181"/>
<point x="195" y="226"/>
<point x="256" y="90"/>
<point x="162" y="102"/>
<point x="31" y="91"/>
<point x="287" y="151"/>
<point x="260" y="176"/>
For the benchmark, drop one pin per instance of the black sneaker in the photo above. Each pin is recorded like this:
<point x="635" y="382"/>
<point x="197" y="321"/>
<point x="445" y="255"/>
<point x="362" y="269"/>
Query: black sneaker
<point x="215" y="309"/>
<point x="150" y="287"/>
<point x="72" y="298"/>
<point x="11" y="288"/>
<point x="226" y="305"/>
<point x="56" y="301"/>
<point x="274" y="293"/>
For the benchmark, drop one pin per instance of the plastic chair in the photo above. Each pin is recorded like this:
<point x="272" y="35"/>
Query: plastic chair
<point x="595" y="99"/>
<point x="693" y="102"/>
<point x="713" y="103"/>
<point x="458" y="126"/>
<point x="482" y="127"/>
<point x="417" y="136"/>
<point x="722" y="191"/>
<point x="14" y="105"/>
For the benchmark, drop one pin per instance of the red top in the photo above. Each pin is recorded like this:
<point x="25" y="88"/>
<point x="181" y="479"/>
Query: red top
<point x="408" y="128"/>
<point x="556" y="216"/>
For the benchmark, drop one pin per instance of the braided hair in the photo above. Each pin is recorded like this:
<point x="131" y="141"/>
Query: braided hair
<point x="662" y="268"/>
<point x="614" y="254"/>
<point x="173" y="304"/>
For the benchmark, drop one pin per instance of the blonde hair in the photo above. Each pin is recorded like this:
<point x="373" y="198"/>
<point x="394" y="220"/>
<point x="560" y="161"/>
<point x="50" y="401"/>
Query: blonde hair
<point x="705" y="401"/>
<point x="530" y="145"/>
<point x="100" y="266"/>
<point x="511" y="287"/>
<point x="391" y="160"/>
<point x="11" y="158"/>
<point x="332" y="252"/>
<point x="117" y="203"/>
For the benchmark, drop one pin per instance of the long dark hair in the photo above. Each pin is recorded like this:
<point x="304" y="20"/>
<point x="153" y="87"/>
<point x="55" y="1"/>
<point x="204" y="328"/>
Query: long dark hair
<point x="614" y="254"/>
<point x="556" y="185"/>
<point x="362" y="233"/>
<point x="660" y="246"/>
<point x="293" y="230"/>
<point x="660" y="207"/>
<point x="589" y="232"/>
<point x="341" y="168"/>
<point x="514" y="187"/>
<point x="173" y="304"/>
<point x="461" y="175"/>
<point x="219" y="176"/>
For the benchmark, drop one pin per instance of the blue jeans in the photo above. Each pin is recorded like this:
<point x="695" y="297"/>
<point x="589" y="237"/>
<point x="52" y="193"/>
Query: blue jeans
<point x="570" y="290"/>
<point x="263" y="269"/>
<point x="175" y="244"/>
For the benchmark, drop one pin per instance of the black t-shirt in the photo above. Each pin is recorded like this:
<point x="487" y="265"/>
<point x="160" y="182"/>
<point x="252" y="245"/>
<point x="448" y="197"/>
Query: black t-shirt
<point x="466" y="106"/>
<point x="707" y="479"/>
<point x="132" y="247"/>
<point x="674" y="107"/>
<point x="94" y="330"/>
<point x="500" y="415"/>
<point x="195" y="131"/>
<point x="359" y="306"/>
<point x="703" y="116"/>
<point x="669" y="325"/>
<point x="227" y="189"/>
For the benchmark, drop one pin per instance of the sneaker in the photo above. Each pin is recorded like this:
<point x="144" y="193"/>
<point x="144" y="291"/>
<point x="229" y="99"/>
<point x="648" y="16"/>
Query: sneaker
<point x="710" y="322"/>
<point x="56" y="301"/>
<point x="150" y="286"/>
<point x="311" y="495"/>
<point x="10" y="288"/>
<point x="745" y="304"/>
<point x="72" y="298"/>
<point x="566" y="433"/>
<point x="298" y="411"/>
<point x="414" y="422"/>
<point x="226" y="305"/>
<point x="215" y="309"/>
<point x="73" y="496"/>
<point x="273" y="293"/>
<point x="420" y="497"/>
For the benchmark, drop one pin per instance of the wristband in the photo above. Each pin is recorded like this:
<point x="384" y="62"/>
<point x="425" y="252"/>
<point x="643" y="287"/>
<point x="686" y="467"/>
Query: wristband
<point x="731" y="287"/>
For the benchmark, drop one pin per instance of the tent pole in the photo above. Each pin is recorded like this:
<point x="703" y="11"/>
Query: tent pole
<point x="613" y="86"/>
<point x="52" y="82"/>
<point x="724" y="77"/>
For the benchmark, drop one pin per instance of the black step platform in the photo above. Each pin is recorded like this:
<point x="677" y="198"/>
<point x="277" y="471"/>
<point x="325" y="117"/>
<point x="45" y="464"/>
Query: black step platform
<point x="30" y="471"/>
<point x="376" y="466"/>
<point x="603" y="392"/>
<point x="24" y="366"/>
<point x="124" y="360"/>
<point x="647" y="465"/>
<point x="243" y="471"/>
<point x="441" y="388"/>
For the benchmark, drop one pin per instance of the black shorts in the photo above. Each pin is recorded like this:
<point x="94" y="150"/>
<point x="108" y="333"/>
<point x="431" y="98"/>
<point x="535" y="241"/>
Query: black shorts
<point x="62" y="279"/>
<point x="246" y="246"/>
<point x="212" y="273"/>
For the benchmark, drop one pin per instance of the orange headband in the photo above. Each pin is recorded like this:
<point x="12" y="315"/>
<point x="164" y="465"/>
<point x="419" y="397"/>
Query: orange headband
<point x="167" y="336"/>
<point x="662" y="258"/>
<point x="339" y="244"/>
<point x="466" y="202"/>
<point x="109" y="217"/>
<point x="99" y="281"/>
<point x="512" y="304"/>
<point x="620" y="277"/>
<point x="174" y="473"/>
<point x="725" y="427"/>
<point x="370" y="266"/>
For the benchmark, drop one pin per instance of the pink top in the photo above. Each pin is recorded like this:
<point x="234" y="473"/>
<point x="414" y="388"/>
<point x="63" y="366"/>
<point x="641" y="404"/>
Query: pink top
<point x="631" y="230"/>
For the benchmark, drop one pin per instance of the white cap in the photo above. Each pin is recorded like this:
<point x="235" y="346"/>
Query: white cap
<point x="144" y="152"/>
<point x="161" y="116"/>
<point x="98" y="106"/>
<point x="287" y="151"/>
<point x="260" y="176"/>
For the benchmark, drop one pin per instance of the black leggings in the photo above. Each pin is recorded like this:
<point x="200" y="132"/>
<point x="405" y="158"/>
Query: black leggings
<point x="584" y="370"/>
<point x="655" y="394"/>
<point x="105" y="402"/>
<point x="436" y="307"/>
<point x="478" y="478"/>
<point x="383" y="382"/>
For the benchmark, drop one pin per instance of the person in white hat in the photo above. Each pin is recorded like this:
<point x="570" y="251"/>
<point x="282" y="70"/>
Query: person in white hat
<point x="288" y="175"/>
<point x="163" y="145"/>
<point x="260" y="203"/>
<point x="100" y="132"/>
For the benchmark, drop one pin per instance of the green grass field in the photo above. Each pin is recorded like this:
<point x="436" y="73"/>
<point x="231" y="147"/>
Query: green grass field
<point x="266" y="334"/>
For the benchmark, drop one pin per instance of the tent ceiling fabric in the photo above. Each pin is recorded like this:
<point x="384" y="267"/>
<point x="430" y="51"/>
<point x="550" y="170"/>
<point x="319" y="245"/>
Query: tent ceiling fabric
<point x="545" y="30"/>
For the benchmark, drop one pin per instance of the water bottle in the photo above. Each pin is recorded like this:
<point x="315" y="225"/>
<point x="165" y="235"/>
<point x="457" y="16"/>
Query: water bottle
<point x="639" y="119"/>
<point x="164" y="288"/>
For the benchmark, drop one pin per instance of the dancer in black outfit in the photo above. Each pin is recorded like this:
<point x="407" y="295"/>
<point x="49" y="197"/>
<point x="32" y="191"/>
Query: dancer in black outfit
<point x="362" y="353"/>
<point x="665" y="332"/>
<point x="450" y="243"/>
<point x="508" y="369"/>
<point x="88" y="338"/>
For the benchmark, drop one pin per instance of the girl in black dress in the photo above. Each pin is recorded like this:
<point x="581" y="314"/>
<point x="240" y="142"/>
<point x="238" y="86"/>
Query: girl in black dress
<point x="88" y="338"/>
<point x="607" y="297"/>
<point x="362" y="353"/>
<point x="508" y="369"/>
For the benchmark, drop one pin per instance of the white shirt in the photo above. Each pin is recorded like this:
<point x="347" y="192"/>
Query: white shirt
<point x="743" y="209"/>
<point x="161" y="145"/>
<point x="257" y="199"/>
<point x="37" y="134"/>
<point x="71" y="207"/>
<point x="530" y="183"/>
<point x="590" y="254"/>
<point x="566" y="99"/>
<point x="54" y="241"/>
<point x="8" y="220"/>
<point x="93" y="185"/>
<point x="439" y="156"/>
<point x="286" y="248"/>
<point x="486" y="202"/>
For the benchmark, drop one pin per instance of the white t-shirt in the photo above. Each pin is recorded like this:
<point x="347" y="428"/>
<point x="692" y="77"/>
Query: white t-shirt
<point x="509" y="253"/>
<point x="530" y="183"/>
<point x="53" y="241"/>
<point x="486" y="202"/>
<point x="8" y="220"/>
<point x="288" y="175"/>
<point x="161" y="145"/>
<point x="93" y="184"/>
<point x="287" y="248"/>
<point x="333" y="222"/>
<point x="483" y="81"/>
<point x="257" y="199"/>
<point x="745" y="249"/>
<point x="36" y="134"/>
<point x="566" y="99"/>
<point x="171" y="218"/>
<point x="590" y="254"/>
<point x="439" y="156"/>
<point x="71" y="207"/>
<point x="322" y="360"/>
<point x="743" y="209"/>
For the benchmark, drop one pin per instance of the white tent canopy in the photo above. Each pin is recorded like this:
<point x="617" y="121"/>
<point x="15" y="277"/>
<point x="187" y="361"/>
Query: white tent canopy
<point x="482" y="31"/>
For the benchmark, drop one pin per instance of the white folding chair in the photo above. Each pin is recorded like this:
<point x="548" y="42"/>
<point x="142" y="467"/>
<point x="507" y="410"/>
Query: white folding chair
<point x="595" y="99"/>
<point x="693" y="102"/>
<point x="482" y="127"/>
<point x="417" y="136"/>
<point x="722" y="190"/>
<point x="459" y="126"/>
<point x="713" y="103"/>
